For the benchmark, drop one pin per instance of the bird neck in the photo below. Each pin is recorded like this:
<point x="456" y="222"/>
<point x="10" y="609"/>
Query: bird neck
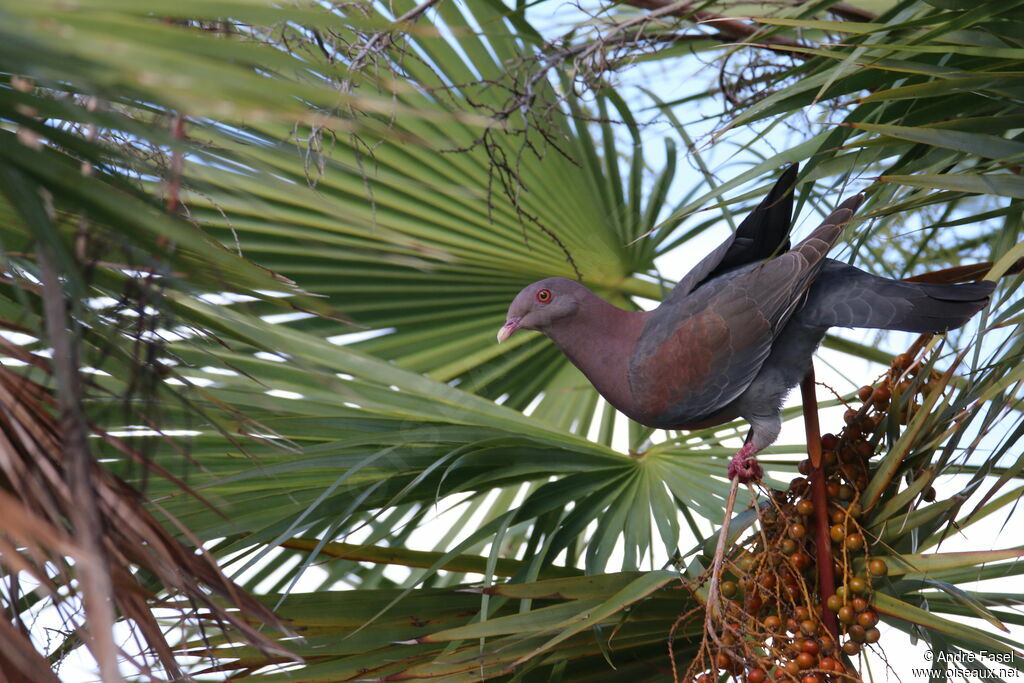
<point x="599" y="340"/>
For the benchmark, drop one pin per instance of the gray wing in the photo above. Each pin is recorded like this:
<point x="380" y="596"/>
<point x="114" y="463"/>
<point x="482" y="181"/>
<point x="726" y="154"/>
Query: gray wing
<point x="699" y="353"/>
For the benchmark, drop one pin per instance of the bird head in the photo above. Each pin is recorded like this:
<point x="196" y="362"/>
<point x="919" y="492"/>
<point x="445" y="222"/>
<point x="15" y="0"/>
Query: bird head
<point x="539" y="305"/>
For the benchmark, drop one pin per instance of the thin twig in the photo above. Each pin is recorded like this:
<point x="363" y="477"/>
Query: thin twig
<point x="382" y="40"/>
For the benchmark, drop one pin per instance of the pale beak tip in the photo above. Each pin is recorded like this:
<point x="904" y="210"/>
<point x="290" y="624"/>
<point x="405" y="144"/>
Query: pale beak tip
<point x="507" y="330"/>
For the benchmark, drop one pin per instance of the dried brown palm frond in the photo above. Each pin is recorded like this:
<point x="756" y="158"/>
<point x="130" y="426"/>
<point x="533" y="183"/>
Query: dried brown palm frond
<point x="40" y="541"/>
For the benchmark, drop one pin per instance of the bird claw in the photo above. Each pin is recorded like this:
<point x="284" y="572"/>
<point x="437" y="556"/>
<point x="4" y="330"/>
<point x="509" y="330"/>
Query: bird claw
<point x="744" y="466"/>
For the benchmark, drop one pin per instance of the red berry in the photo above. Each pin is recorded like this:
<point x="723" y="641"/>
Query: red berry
<point x="867" y="619"/>
<point x="800" y="560"/>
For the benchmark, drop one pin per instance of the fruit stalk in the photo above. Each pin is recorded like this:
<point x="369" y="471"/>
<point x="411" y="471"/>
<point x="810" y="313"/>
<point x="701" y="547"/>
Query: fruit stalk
<point x="714" y="598"/>
<point x="819" y="496"/>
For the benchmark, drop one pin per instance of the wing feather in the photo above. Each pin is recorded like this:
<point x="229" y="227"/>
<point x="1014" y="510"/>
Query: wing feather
<point x="698" y="353"/>
<point x="761" y="235"/>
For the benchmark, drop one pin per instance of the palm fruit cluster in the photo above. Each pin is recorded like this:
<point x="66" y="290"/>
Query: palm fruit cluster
<point x="770" y="624"/>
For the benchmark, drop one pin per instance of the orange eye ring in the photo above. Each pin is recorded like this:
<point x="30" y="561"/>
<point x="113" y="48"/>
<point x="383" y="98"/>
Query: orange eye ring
<point x="544" y="296"/>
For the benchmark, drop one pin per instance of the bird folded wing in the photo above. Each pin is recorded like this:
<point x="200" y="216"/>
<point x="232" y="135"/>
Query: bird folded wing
<point x="699" y="353"/>
<point x="688" y="371"/>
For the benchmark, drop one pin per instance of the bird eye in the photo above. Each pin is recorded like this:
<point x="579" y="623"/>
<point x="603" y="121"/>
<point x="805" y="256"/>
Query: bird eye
<point x="544" y="296"/>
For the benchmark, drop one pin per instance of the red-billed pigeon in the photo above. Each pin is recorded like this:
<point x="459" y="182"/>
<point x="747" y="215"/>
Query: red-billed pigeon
<point x="738" y="331"/>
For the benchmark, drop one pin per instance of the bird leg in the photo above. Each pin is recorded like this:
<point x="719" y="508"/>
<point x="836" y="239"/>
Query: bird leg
<point x="744" y="467"/>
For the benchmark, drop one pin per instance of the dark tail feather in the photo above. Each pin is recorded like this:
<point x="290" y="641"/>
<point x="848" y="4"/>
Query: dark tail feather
<point x="844" y="296"/>
<point x="939" y="308"/>
<point x="765" y="232"/>
<point x="767" y="226"/>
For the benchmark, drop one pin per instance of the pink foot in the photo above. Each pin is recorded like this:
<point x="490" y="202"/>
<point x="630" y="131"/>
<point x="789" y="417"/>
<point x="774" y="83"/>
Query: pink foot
<point x="744" y="467"/>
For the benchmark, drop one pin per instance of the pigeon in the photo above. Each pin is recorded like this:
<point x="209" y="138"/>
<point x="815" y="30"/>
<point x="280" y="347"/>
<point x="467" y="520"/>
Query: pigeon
<point x="737" y="333"/>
